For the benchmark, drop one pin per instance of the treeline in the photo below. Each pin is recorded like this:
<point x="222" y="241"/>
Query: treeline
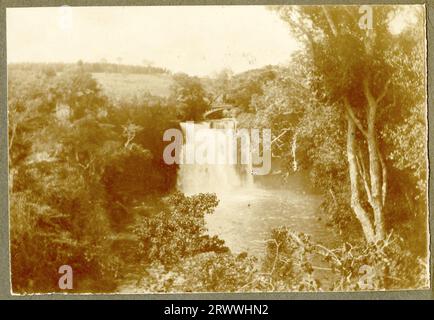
<point x="91" y="67"/>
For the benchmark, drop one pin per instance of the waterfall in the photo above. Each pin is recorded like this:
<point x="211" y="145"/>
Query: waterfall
<point x="219" y="176"/>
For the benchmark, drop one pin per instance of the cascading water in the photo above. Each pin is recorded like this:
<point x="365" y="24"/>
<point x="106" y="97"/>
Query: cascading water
<point x="218" y="177"/>
<point x="246" y="212"/>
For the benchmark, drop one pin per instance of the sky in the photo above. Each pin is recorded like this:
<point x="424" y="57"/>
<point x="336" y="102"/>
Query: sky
<point x="198" y="40"/>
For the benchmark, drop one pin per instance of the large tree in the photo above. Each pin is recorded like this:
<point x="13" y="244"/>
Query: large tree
<point x="373" y="74"/>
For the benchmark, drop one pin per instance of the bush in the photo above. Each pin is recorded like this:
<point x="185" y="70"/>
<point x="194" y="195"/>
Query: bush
<point x="49" y="230"/>
<point x="178" y="230"/>
<point x="204" y="272"/>
<point x="385" y="265"/>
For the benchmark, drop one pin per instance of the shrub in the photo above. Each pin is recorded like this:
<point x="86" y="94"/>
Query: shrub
<point x="385" y="265"/>
<point x="178" y="230"/>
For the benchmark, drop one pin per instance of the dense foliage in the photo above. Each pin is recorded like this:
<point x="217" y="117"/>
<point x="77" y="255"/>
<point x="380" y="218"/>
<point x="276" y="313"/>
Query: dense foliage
<point x="89" y="187"/>
<point x="77" y="168"/>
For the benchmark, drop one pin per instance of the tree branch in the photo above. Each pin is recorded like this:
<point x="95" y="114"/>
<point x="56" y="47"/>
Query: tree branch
<point x="299" y="27"/>
<point x="383" y="177"/>
<point x="330" y="21"/>
<point x="354" y="118"/>
<point x="384" y="91"/>
<point x="284" y="131"/>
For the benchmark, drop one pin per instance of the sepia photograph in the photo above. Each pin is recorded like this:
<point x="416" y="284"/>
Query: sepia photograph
<point x="217" y="149"/>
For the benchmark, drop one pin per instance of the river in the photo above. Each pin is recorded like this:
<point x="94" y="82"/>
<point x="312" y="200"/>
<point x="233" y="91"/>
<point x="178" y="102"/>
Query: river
<point x="248" y="211"/>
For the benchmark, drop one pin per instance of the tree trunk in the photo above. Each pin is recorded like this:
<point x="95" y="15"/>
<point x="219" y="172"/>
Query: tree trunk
<point x="375" y="179"/>
<point x="356" y="204"/>
<point x="294" y="152"/>
<point x="375" y="171"/>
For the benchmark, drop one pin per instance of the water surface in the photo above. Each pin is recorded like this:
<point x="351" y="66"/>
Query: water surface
<point x="245" y="217"/>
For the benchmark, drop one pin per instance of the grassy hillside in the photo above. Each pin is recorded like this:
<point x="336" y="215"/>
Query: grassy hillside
<point x="125" y="85"/>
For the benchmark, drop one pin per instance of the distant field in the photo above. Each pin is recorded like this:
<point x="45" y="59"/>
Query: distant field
<point x="121" y="85"/>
